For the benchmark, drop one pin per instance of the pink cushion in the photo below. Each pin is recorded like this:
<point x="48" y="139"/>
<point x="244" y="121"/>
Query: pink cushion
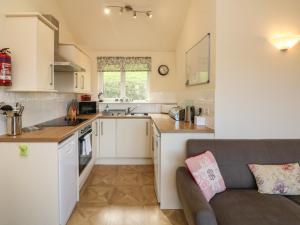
<point x="206" y="172"/>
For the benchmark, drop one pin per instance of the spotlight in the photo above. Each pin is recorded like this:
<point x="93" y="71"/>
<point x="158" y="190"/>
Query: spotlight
<point x="134" y="14"/>
<point x="107" y="11"/>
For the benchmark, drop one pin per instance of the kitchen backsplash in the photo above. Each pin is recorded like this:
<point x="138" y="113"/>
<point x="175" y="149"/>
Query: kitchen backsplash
<point x="39" y="107"/>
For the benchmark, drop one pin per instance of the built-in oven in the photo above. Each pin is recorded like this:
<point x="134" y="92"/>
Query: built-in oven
<point x="85" y="147"/>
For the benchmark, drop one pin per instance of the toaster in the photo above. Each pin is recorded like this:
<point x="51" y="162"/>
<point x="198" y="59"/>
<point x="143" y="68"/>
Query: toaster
<point x="177" y="113"/>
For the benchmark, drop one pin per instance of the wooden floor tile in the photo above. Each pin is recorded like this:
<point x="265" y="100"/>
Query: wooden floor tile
<point x="122" y="195"/>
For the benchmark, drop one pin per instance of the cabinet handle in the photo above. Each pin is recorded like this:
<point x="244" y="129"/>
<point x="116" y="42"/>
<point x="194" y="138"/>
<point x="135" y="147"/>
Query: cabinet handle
<point x="147" y="128"/>
<point x="76" y="80"/>
<point x="102" y="129"/>
<point x="51" y="74"/>
<point x="97" y="129"/>
<point x="152" y="143"/>
<point x="83" y="82"/>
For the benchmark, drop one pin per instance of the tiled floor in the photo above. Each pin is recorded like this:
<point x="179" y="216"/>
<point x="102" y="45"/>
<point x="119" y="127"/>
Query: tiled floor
<point x="122" y="195"/>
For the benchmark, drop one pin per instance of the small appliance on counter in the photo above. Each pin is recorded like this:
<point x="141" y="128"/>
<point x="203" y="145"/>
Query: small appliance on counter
<point x="89" y="107"/>
<point x="189" y="114"/>
<point x="13" y="118"/>
<point x="177" y="113"/>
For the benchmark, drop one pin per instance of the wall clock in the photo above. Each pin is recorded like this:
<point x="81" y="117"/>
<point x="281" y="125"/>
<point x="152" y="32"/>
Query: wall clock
<point x="163" y="70"/>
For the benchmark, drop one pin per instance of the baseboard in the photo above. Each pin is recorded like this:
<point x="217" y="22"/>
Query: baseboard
<point x="124" y="161"/>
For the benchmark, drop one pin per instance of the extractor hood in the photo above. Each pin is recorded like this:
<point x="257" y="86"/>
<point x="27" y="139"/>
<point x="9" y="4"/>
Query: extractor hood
<point x="61" y="64"/>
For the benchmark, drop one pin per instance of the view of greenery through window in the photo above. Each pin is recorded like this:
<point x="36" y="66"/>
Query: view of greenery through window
<point x="112" y="84"/>
<point x="135" y="85"/>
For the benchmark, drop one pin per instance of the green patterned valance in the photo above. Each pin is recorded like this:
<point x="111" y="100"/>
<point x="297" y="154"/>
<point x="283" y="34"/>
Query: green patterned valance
<point x="113" y="64"/>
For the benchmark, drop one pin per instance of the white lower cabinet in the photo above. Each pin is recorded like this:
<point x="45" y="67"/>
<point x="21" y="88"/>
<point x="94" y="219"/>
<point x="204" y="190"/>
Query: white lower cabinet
<point x="133" y="138"/>
<point x="68" y="178"/>
<point x="124" y="138"/>
<point x="41" y="188"/>
<point x="107" y="138"/>
<point x="96" y="139"/>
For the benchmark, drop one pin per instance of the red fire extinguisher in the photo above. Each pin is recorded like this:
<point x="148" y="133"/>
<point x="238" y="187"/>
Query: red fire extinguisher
<point x="5" y="67"/>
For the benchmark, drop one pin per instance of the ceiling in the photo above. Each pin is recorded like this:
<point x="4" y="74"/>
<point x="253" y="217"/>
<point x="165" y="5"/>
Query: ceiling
<point x="97" y="31"/>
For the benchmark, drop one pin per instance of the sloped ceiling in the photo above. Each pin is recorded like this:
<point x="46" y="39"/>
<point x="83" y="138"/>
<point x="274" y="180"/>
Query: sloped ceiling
<point x="97" y="31"/>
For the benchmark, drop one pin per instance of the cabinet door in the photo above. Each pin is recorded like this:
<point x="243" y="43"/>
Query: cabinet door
<point x="133" y="138"/>
<point x="45" y="59"/>
<point x="68" y="177"/>
<point x="107" y="138"/>
<point x="96" y="139"/>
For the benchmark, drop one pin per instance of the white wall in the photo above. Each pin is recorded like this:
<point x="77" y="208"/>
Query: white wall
<point x="162" y="88"/>
<point x="257" y="86"/>
<point x="39" y="107"/>
<point x="200" y="20"/>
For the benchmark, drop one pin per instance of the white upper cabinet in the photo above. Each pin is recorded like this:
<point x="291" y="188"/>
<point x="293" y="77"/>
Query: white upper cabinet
<point x="30" y="37"/>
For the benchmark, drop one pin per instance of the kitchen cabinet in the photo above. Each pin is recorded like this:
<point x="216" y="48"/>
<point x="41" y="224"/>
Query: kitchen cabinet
<point x="70" y="82"/>
<point x="124" y="141"/>
<point x="68" y="178"/>
<point x="108" y="138"/>
<point x="156" y="159"/>
<point x="133" y="138"/>
<point x="96" y="139"/>
<point x="42" y="185"/>
<point x="30" y="37"/>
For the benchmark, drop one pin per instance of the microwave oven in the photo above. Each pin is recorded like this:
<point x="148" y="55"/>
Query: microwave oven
<point x="89" y="107"/>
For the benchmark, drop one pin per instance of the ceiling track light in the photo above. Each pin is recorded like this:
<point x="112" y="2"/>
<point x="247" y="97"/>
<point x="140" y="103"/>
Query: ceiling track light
<point x="127" y="8"/>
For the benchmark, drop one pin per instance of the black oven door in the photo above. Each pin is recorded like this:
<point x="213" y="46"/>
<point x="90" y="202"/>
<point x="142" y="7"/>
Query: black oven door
<point x="85" y="150"/>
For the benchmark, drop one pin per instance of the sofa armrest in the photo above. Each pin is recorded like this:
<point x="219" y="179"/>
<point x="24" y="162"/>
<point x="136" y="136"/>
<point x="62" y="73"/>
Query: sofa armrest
<point x="196" y="209"/>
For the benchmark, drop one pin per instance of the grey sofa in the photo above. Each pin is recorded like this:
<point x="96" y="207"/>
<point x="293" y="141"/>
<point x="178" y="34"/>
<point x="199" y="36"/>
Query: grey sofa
<point x="240" y="204"/>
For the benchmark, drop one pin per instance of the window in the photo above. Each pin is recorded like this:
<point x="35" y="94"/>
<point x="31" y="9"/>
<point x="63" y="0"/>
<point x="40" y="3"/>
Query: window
<point x="125" y="77"/>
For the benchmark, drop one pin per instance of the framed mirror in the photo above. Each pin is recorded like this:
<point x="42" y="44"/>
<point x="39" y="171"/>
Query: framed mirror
<point x="198" y="62"/>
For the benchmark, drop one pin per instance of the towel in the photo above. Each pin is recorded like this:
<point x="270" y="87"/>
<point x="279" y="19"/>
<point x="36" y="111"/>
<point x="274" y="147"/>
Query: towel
<point x="88" y="144"/>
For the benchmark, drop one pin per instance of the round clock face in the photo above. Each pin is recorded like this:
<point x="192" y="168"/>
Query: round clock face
<point x="163" y="70"/>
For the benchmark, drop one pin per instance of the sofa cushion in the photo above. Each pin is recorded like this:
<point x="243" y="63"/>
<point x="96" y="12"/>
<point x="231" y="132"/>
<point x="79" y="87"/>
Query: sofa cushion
<point x="277" y="179"/>
<point x="294" y="198"/>
<point x="233" y="156"/>
<point x="206" y="173"/>
<point x="248" y="207"/>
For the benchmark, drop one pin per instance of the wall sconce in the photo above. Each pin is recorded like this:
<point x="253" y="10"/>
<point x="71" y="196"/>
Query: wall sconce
<point x="285" y="42"/>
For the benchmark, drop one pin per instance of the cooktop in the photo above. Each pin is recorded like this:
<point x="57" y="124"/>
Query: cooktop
<point x="61" y="122"/>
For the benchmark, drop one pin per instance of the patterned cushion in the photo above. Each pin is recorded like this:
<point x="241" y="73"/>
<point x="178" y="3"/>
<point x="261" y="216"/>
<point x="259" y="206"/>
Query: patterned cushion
<point x="277" y="179"/>
<point x="205" y="171"/>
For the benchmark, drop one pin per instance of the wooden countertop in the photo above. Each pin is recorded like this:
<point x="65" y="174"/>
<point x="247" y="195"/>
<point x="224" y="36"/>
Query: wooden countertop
<point x="164" y="123"/>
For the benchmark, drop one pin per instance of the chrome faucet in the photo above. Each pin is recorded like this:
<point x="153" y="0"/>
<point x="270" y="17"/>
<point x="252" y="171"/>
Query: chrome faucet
<point x="131" y="109"/>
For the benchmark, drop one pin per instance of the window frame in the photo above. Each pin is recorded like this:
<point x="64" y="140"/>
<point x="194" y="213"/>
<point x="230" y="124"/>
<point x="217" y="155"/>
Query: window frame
<point x="123" y="86"/>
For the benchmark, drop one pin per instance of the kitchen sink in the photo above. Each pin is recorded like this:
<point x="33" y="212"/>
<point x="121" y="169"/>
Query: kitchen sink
<point x="139" y="114"/>
<point x="114" y="112"/>
<point x="121" y="112"/>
